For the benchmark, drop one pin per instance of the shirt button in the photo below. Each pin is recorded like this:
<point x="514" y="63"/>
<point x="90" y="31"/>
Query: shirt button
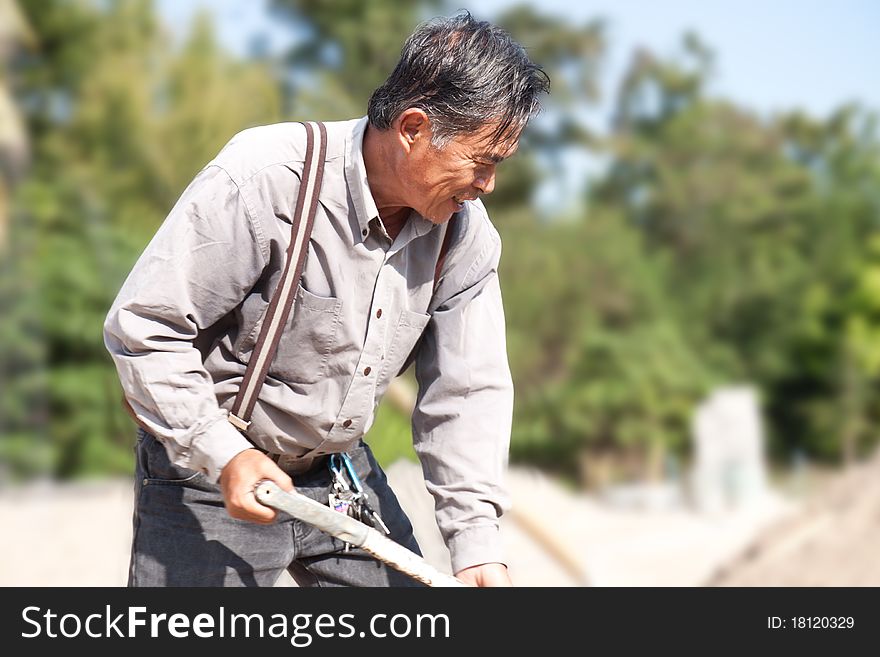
<point x="346" y="424"/>
<point x="367" y="371"/>
<point x="378" y="313"/>
<point x="364" y="232"/>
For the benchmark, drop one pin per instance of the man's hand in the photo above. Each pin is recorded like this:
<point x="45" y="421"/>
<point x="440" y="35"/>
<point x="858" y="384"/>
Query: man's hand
<point x="238" y="479"/>
<point x="486" y="574"/>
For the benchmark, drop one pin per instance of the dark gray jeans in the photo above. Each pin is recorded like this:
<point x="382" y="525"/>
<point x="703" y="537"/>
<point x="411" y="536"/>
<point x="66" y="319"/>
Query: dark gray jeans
<point x="184" y="537"/>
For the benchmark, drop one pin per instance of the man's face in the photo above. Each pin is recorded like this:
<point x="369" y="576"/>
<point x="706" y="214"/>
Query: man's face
<point x="439" y="181"/>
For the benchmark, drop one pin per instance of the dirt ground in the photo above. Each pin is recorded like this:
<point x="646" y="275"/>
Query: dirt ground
<point x="79" y="534"/>
<point x="832" y="541"/>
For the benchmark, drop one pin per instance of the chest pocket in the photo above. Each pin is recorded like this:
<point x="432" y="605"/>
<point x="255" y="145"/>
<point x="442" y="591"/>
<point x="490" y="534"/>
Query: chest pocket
<point x="409" y="329"/>
<point x="308" y="338"/>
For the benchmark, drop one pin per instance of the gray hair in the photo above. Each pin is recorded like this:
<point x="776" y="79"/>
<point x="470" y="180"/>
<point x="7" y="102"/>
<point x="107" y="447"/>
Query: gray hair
<point x="464" y="74"/>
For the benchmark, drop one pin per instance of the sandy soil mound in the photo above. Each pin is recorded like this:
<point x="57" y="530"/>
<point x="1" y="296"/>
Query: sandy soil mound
<point x="832" y="541"/>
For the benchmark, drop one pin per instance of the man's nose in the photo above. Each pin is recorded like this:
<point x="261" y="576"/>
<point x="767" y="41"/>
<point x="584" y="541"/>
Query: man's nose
<point x="485" y="181"/>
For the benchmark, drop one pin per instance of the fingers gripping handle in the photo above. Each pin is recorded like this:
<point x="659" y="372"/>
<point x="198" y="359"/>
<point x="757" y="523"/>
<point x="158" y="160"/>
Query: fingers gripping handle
<point x="352" y="531"/>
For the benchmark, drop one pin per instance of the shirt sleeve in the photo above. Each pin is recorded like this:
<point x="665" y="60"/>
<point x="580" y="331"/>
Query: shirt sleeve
<point x="199" y="266"/>
<point x="462" y="419"/>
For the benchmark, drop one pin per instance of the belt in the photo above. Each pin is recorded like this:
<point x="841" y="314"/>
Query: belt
<point x="296" y="464"/>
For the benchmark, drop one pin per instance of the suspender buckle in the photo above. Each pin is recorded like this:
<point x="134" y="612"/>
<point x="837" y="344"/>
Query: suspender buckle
<point x="238" y="423"/>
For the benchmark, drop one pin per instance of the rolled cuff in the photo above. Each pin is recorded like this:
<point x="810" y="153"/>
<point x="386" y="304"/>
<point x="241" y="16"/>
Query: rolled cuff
<point x="475" y="546"/>
<point x="215" y="447"/>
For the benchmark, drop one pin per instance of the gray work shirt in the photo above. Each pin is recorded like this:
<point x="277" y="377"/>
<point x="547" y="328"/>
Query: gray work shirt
<point x="363" y="306"/>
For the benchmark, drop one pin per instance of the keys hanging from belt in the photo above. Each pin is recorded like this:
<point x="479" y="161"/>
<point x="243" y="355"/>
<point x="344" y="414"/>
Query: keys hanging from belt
<point x="342" y="497"/>
<point x="352" y="498"/>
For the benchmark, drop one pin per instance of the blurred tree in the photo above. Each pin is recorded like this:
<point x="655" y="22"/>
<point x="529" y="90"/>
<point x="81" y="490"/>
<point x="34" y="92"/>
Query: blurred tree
<point x="120" y="122"/>
<point x="14" y="33"/>
<point x="599" y="362"/>
<point x="572" y="55"/>
<point x="20" y="368"/>
<point x="754" y="222"/>
<point x="345" y="50"/>
<point x="204" y="97"/>
<point x="829" y="402"/>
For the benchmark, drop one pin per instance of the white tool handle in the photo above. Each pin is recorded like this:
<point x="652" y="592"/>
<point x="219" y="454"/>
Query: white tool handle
<point x="352" y="531"/>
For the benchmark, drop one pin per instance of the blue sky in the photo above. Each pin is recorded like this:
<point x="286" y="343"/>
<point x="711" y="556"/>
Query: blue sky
<point x="771" y="55"/>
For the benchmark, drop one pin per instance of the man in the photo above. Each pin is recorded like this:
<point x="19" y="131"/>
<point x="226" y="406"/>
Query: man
<point x="371" y="299"/>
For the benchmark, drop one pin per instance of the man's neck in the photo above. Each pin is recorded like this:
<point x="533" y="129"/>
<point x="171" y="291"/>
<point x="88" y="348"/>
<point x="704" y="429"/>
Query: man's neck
<point x="382" y="181"/>
<point x="394" y="221"/>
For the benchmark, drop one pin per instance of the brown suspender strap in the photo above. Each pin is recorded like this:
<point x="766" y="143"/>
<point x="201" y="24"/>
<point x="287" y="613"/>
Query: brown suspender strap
<point x="285" y="295"/>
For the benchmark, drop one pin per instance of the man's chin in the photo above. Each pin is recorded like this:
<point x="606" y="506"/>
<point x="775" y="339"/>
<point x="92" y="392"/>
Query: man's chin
<point x="440" y="218"/>
<point x="445" y="212"/>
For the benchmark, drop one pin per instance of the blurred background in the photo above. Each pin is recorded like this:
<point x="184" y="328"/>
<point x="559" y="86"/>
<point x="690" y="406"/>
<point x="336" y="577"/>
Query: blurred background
<point x="691" y="269"/>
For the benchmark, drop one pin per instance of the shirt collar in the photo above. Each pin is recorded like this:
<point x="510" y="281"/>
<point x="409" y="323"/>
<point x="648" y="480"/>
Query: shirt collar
<point x="356" y="178"/>
<point x="359" y="188"/>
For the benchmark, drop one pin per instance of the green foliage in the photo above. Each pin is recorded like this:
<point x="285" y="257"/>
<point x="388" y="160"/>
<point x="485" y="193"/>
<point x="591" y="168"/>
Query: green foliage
<point x="765" y="227"/>
<point x="390" y="437"/>
<point x="119" y="124"/>
<point x="347" y="49"/>
<point x="587" y="308"/>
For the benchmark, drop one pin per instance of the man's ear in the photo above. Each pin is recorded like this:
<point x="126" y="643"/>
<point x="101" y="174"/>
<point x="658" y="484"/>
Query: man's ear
<point x="413" y="127"/>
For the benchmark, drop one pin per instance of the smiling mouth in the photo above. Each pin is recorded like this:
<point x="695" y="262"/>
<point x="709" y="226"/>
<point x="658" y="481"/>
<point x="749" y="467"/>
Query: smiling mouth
<point x="461" y="200"/>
